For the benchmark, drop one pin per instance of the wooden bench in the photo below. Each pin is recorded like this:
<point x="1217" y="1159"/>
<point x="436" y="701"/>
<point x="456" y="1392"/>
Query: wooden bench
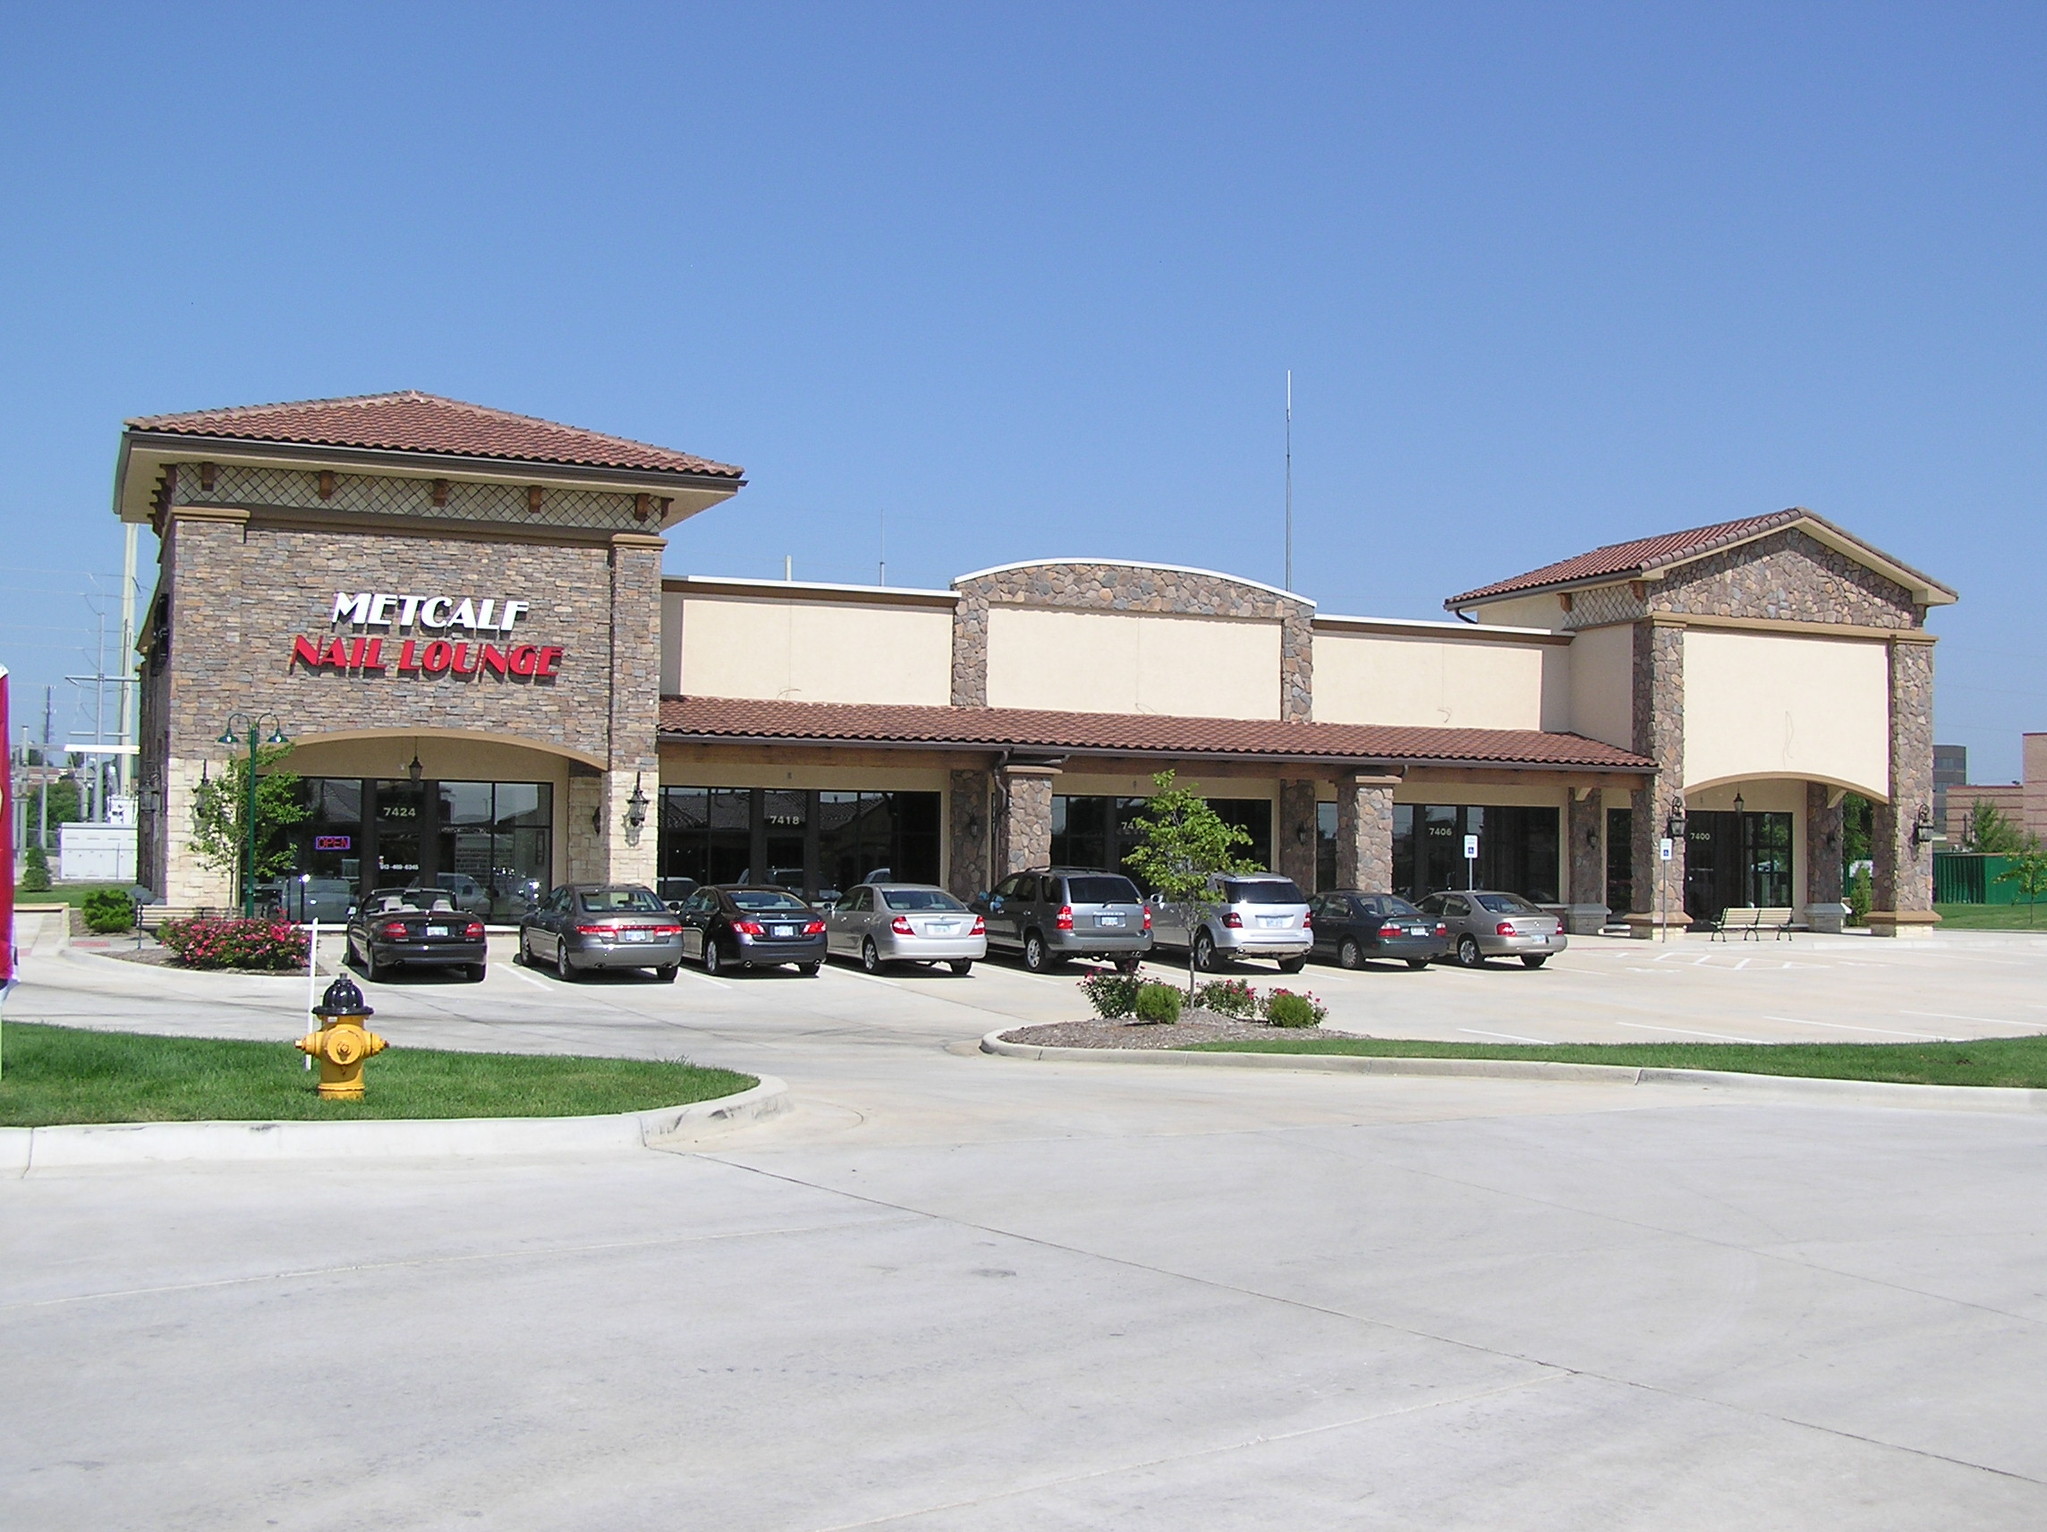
<point x="1752" y="921"/>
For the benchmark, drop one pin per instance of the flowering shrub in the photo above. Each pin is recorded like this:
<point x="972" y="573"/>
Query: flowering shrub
<point x="1227" y="997"/>
<point x="1285" y="1008"/>
<point x="234" y="943"/>
<point x="1111" y="994"/>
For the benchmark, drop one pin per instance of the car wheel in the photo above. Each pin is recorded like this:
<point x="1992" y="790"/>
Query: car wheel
<point x="1534" y="959"/>
<point x="565" y="966"/>
<point x="372" y="970"/>
<point x="713" y="963"/>
<point x="666" y="973"/>
<point x="1035" y="957"/>
<point x="1292" y="964"/>
<point x="1417" y="964"/>
<point x="519" y="952"/>
<point x="870" y="956"/>
<point x="1468" y="954"/>
<point x="1128" y="962"/>
<point x="961" y="966"/>
<point x="1204" y="952"/>
<point x="808" y="970"/>
<point x="1350" y="954"/>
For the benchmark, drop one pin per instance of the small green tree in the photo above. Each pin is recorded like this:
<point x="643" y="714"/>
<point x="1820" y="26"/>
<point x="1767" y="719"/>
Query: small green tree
<point x="1185" y="843"/>
<point x="220" y="825"/>
<point x="2029" y="871"/>
<point x="35" y="875"/>
<point x="1992" y="832"/>
<point x="64" y="807"/>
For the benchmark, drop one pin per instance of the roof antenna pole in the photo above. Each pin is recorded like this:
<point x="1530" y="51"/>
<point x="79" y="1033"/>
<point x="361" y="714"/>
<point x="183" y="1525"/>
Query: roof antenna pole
<point x="881" y="576"/>
<point x="788" y="566"/>
<point x="1289" y="581"/>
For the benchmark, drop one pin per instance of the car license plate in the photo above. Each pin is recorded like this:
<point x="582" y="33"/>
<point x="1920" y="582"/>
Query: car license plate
<point x="1108" y="920"/>
<point x="784" y="930"/>
<point x="1417" y="930"/>
<point x="436" y="930"/>
<point x="941" y="928"/>
<point x="635" y="934"/>
<point x="1270" y="921"/>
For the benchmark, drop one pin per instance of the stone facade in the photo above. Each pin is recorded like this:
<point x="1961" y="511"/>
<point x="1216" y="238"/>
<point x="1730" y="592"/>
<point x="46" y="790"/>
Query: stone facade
<point x="1788" y="576"/>
<point x="1823" y="826"/>
<point x="1585" y="856"/>
<point x="1903" y="880"/>
<point x="1659" y="709"/>
<point x="967" y="828"/>
<point x="239" y="585"/>
<point x="1296" y="846"/>
<point x="1110" y="587"/>
<point x="1024" y="826"/>
<point x="1364" y="831"/>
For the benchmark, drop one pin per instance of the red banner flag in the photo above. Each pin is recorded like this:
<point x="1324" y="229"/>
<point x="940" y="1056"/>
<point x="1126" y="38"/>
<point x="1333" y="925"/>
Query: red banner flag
<point x="6" y="847"/>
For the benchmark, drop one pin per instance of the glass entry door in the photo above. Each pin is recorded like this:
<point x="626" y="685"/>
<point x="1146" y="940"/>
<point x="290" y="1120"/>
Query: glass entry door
<point x="400" y="821"/>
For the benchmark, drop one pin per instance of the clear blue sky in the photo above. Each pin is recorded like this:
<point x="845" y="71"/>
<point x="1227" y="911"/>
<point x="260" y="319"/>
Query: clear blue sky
<point x="1028" y="279"/>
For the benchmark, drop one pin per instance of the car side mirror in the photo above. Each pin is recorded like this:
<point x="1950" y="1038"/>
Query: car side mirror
<point x="351" y="912"/>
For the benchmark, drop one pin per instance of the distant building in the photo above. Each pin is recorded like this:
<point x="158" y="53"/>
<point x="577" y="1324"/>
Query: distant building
<point x="2024" y="803"/>
<point x="1950" y="769"/>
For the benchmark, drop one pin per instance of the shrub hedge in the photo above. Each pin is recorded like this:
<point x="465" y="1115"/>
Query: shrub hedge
<point x="108" y="910"/>
<point x="274" y="945"/>
<point x="1159" y="1003"/>
<point x="1111" y="994"/>
<point x="1286" y="1008"/>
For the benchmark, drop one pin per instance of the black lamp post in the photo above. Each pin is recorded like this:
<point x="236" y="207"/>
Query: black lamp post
<point x="238" y="725"/>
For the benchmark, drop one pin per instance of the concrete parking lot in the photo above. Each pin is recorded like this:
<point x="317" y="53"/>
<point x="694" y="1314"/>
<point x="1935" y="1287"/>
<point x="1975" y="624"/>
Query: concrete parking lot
<point x="951" y="1290"/>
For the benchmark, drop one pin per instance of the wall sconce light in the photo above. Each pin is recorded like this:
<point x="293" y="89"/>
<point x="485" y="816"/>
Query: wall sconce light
<point x="1922" y="828"/>
<point x="1302" y="835"/>
<point x="972" y="826"/>
<point x="1674" y="827"/>
<point x="636" y="806"/>
<point x="413" y="770"/>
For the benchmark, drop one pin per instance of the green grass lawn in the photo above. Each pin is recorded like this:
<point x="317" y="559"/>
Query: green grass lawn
<point x="66" y="1074"/>
<point x="72" y="894"/>
<point x="1992" y="1061"/>
<point x="1990" y="917"/>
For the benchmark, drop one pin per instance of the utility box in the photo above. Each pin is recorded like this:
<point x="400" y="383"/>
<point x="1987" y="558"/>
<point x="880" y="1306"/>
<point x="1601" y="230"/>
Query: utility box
<point x="96" y="853"/>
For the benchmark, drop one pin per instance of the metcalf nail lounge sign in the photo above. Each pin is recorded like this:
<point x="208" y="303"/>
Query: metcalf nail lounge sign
<point x="391" y="652"/>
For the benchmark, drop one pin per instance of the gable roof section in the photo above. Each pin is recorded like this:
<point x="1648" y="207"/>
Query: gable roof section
<point x="985" y="728"/>
<point x="411" y="421"/>
<point x="1648" y="557"/>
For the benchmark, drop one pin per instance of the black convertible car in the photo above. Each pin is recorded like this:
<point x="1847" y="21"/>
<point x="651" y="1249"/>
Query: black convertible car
<point x="417" y="927"/>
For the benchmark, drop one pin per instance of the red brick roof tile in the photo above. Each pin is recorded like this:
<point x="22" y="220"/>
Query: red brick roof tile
<point x="411" y="421"/>
<point x="1633" y="558"/>
<point x="1120" y="733"/>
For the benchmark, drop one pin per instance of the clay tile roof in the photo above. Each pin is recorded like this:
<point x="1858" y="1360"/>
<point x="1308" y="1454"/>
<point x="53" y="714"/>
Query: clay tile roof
<point x="410" y="421"/>
<point x="1634" y="558"/>
<point x="1121" y="733"/>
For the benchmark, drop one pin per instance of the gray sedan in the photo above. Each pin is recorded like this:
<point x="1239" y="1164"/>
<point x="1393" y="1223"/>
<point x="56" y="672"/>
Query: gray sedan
<point x="882" y="923"/>
<point x="1484" y="922"/>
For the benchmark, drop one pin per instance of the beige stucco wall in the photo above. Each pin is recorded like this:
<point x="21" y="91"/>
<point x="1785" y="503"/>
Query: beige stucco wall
<point x="1437" y="682"/>
<point x="810" y="651"/>
<point x="1603" y="685"/>
<point x="1769" y="705"/>
<point x="1543" y="611"/>
<point x="1132" y="662"/>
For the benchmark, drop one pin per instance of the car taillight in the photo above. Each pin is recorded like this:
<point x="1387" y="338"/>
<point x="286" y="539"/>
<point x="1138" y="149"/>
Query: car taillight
<point x="1506" y="928"/>
<point x="747" y="927"/>
<point x="474" y="928"/>
<point x="1442" y="929"/>
<point x="594" y="931"/>
<point x="981" y="926"/>
<point x="665" y="930"/>
<point x="1147" y="917"/>
<point x="1064" y="921"/>
<point x="901" y="926"/>
<point x="1232" y="919"/>
<point x="395" y="930"/>
<point x="814" y="928"/>
<point x="1389" y="930"/>
<point x="1307" y="921"/>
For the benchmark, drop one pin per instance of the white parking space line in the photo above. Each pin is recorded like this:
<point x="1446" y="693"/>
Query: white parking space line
<point x="1724" y="1037"/>
<point x="520" y="973"/>
<point x="1509" y="1036"/>
<point x="1842" y="1026"/>
<point x="1987" y="1021"/>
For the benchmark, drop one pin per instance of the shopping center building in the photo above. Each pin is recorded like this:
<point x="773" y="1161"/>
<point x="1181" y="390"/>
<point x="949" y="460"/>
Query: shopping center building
<point x="459" y="619"/>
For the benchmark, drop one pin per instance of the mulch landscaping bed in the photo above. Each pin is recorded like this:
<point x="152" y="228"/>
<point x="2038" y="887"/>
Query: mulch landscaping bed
<point x="1192" y="1027"/>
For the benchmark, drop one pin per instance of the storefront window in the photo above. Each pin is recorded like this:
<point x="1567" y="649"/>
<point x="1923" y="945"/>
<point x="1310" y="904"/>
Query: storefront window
<point x="1620" y="860"/>
<point x="1101" y="832"/>
<point x="818" y="843"/>
<point x="491" y="844"/>
<point x="1735" y="860"/>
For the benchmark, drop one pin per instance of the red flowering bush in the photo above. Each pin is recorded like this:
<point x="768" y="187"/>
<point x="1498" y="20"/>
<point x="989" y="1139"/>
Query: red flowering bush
<point x="234" y="943"/>
<point x="1286" y="1008"/>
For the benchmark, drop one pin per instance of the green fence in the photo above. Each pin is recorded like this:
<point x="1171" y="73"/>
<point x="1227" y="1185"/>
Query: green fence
<point x="1965" y="877"/>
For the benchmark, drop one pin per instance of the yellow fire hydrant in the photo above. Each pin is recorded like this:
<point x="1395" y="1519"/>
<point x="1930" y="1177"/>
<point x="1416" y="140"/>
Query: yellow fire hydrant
<point x="342" y="1043"/>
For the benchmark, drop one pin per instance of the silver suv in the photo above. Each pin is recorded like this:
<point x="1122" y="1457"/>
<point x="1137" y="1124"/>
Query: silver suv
<point x="1248" y="915"/>
<point x="1050" y="914"/>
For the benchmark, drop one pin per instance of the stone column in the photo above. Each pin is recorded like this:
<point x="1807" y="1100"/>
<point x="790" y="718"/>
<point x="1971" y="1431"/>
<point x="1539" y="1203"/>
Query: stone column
<point x="1902" y="891"/>
<point x="629" y="855"/>
<point x="1584" y="818"/>
<point x="1364" y="831"/>
<point x="1296" y="851"/>
<point x="1659" y="703"/>
<point x="967" y="834"/>
<point x="583" y="858"/>
<point x="1024" y="825"/>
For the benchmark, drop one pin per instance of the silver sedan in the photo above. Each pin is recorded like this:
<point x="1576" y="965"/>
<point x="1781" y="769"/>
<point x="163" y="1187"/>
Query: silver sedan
<point x="883" y="923"/>
<point x="1484" y="922"/>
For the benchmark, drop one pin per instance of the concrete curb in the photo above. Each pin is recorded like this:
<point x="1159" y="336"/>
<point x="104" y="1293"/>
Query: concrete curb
<point x="24" y="1150"/>
<point x="1945" y="1098"/>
